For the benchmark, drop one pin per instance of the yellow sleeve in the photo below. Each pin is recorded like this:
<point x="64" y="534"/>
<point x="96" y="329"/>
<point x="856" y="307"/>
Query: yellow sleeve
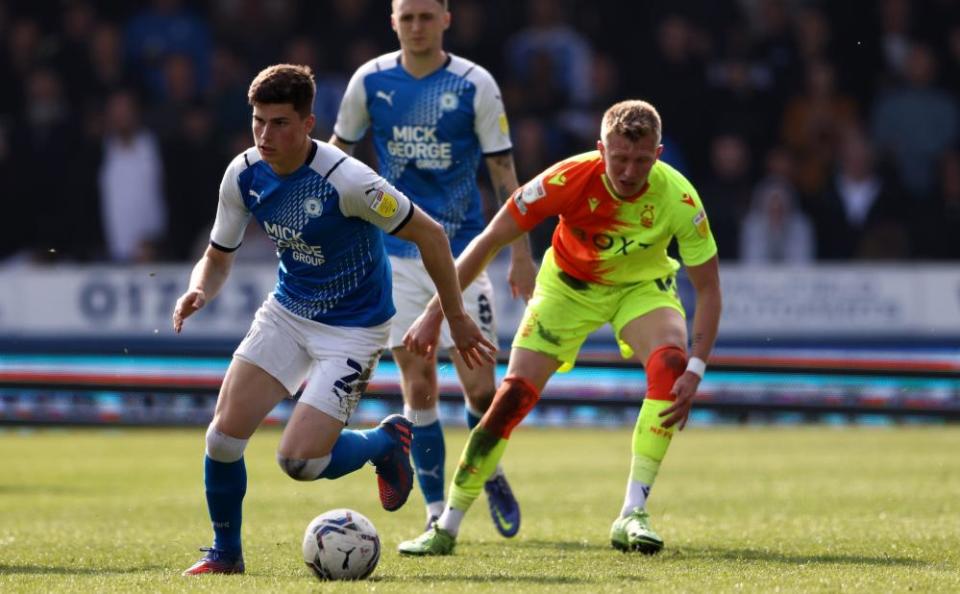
<point x="692" y="229"/>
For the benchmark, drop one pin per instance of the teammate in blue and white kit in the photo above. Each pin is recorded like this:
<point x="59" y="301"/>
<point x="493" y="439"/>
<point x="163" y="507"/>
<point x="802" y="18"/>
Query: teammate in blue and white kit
<point x="327" y="320"/>
<point x="433" y="117"/>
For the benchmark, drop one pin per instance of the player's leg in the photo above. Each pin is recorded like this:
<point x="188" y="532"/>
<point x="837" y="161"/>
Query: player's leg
<point x="658" y="338"/>
<point x="479" y="389"/>
<point x="556" y="322"/>
<point x="267" y="366"/>
<point x="421" y="406"/>
<point x="479" y="386"/>
<point x="412" y="289"/>
<point x="518" y="393"/>
<point x="315" y="444"/>
<point x="527" y="374"/>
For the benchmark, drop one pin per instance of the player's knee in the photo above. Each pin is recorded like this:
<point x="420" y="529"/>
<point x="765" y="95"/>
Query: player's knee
<point x="420" y="393"/>
<point x="303" y="469"/>
<point x="664" y="365"/>
<point x="222" y="447"/>
<point x="512" y="402"/>
<point x="479" y="400"/>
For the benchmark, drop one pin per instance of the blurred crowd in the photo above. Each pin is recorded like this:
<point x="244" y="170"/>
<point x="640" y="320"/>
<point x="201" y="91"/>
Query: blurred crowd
<point x="813" y="130"/>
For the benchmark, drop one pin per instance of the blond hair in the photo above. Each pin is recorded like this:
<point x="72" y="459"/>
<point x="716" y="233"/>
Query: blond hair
<point x="444" y="3"/>
<point x="633" y="119"/>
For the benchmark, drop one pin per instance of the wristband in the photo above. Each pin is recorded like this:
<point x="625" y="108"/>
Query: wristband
<point x="696" y="366"/>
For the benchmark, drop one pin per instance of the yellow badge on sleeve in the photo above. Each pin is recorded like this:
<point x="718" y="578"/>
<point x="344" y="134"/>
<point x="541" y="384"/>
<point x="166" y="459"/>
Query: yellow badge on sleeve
<point x="504" y="126"/>
<point x="700" y="222"/>
<point x="385" y="204"/>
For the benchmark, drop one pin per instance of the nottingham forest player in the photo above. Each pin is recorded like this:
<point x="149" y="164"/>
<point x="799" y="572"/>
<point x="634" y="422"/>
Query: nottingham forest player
<point x="619" y="208"/>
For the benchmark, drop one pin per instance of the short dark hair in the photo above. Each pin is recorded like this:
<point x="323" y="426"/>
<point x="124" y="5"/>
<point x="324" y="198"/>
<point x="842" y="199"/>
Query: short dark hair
<point x="284" y="83"/>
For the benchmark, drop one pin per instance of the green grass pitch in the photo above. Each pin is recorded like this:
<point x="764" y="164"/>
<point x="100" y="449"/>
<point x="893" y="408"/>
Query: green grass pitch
<point x="809" y="509"/>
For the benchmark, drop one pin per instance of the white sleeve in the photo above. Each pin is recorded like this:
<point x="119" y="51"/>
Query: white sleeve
<point x="490" y="123"/>
<point x="353" y="119"/>
<point x="366" y="195"/>
<point x="232" y="213"/>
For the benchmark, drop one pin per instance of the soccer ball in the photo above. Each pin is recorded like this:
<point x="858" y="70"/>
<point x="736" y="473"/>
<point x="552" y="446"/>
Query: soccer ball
<point x="341" y="544"/>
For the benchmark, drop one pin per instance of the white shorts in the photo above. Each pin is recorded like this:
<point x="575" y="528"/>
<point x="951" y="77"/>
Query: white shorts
<point x="413" y="288"/>
<point x="339" y="360"/>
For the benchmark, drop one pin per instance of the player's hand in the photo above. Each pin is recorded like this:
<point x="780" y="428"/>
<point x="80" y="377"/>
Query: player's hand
<point x="522" y="276"/>
<point x="470" y="342"/>
<point x="188" y="303"/>
<point x="685" y="388"/>
<point x="424" y="334"/>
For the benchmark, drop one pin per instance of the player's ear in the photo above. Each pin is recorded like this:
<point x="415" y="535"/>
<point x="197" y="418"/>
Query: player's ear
<point x="600" y="147"/>
<point x="446" y="20"/>
<point x="309" y="122"/>
<point x="659" y="151"/>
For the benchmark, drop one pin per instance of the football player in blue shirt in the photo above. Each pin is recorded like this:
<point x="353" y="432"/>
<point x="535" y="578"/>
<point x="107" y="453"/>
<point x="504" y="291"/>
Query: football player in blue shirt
<point x="328" y="318"/>
<point x="433" y="117"/>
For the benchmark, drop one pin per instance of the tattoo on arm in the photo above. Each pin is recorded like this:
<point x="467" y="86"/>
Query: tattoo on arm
<point x="504" y="166"/>
<point x="502" y="194"/>
<point x="697" y="339"/>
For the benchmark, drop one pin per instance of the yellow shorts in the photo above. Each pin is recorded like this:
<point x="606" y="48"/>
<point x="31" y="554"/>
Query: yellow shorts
<point x="565" y="310"/>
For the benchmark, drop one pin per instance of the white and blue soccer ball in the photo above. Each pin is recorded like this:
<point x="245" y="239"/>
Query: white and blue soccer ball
<point x="341" y="544"/>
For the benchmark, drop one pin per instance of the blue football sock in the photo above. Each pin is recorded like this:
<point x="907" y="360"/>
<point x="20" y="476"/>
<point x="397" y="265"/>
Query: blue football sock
<point x="354" y="448"/>
<point x="472" y="419"/>
<point x="226" y="484"/>
<point x="429" y="456"/>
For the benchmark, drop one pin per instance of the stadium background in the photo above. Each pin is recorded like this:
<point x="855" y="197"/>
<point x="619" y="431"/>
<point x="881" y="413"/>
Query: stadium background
<point x="824" y="138"/>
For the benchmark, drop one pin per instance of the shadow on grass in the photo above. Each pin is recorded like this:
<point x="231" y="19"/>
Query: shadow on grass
<point x="40" y="490"/>
<point x="58" y="570"/>
<point x="732" y="554"/>
<point x="556" y="545"/>
<point x="481" y="578"/>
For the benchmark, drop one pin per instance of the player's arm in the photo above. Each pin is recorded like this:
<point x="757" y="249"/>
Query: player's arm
<point x="342" y="144"/>
<point x="353" y="119"/>
<point x="437" y="258"/>
<point x="705" y="279"/>
<point x="522" y="274"/>
<point x="211" y="271"/>
<point x="208" y="276"/>
<point x="503" y="230"/>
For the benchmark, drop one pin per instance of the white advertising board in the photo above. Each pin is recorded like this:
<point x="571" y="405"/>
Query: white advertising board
<point x="824" y="301"/>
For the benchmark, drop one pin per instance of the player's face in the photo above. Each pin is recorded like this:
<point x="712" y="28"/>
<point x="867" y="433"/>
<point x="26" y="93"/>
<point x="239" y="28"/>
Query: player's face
<point x="419" y="25"/>
<point x="280" y="134"/>
<point x="628" y="162"/>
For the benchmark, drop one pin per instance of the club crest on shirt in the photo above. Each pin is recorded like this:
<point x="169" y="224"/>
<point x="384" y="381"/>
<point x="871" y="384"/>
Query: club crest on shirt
<point x="313" y="207"/>
<point x="384" y="204"/>
<point x="646" y="216"/>
<point x="449" y="101"/>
